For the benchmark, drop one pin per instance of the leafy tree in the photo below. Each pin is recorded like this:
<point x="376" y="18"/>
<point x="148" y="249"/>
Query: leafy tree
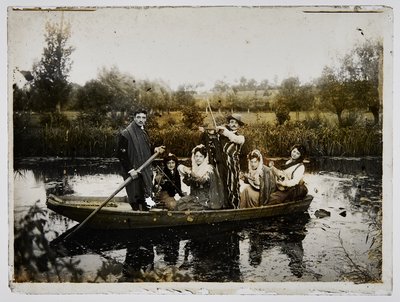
<point x="184" y="95"/>
<point x="220" y="87"/>
<point x="288" y="93"/>
<point x="264" y="85"/>
<point x="305" y="97"/>
<point x="232" y="100"/>
<point x="252" y="85"/>
<point x="192" y="117"/>
<point x="20" y="98"/>
<point x="293" y="96"/>
<point x="50" y="86"/>
<point x="114" y="91"/>
<point x="242" y="86"/>
<point x="123" y="91"/>
<point x="94" y="95"/>
<point x="245" y="85"/>
<point x="363" y="68"/>
<point x="334" y="93"/>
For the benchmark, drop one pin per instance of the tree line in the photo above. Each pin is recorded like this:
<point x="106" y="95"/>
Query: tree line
<point x="354" y="85"/>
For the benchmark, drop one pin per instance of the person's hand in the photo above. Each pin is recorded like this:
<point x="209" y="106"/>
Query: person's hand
<point x="160" y="149"/>
<point x="271" y="163"/>
<point x="177" y="197"/>
<point x="184" y="170"/>
<point x="202" y="129"/>
<point x="133" y="173"/>
<point x="157" y="189"/>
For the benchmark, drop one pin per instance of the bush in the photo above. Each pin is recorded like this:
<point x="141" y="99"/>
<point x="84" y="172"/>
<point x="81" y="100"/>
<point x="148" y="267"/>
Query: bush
<point x="316" y="120"/>
<point x="89" y="119"/>
<point x="22" y="120"/>
<point x="282" y="114"/>
<point x="351" y="119"/>
<point x="54" y="119"/>
<point x="170" y="121"/>
<point x="192" y="117"/>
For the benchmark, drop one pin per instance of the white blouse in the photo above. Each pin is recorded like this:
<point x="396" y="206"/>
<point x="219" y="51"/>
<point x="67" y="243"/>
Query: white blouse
<point x="298" y="174"/>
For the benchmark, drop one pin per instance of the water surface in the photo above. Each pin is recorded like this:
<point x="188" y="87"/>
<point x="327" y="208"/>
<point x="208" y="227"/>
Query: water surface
<point x="304" y="247"/>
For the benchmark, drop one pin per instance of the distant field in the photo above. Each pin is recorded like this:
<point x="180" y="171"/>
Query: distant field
<point x="251" y="117"/>
<point x="248" y="117"/>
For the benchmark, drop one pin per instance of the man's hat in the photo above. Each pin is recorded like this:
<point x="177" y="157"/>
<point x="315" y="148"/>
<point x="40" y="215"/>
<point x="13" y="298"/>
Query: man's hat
<point x="237" y="117"/>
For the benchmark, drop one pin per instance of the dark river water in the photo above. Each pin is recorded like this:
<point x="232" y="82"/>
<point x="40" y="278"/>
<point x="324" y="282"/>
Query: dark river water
<point x="332" y="241"/>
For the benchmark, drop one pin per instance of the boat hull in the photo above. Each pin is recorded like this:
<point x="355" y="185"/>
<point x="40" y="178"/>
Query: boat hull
<point x="118" y="214"/>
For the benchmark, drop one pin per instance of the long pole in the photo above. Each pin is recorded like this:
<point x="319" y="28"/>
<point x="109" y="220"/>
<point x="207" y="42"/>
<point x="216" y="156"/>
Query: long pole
<point x="127" y="181"/>
<point x="212" y="115"/>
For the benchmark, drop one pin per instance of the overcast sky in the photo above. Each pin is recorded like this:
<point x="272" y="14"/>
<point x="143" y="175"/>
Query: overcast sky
<point x="197" y="45"/>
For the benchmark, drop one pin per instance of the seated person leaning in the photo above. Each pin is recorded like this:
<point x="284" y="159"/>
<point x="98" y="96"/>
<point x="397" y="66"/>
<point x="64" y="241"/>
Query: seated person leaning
<point x="259" y="182"/>
<point x="201" y="179"/>
<point x="289" y="180"/>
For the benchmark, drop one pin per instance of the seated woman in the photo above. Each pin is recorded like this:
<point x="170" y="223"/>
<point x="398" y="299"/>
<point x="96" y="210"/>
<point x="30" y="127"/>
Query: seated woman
<point x="259" y="182"/>
<point x="168" y="183"/>
<point x="204" y="193"/>
<point x="289" y="181"/>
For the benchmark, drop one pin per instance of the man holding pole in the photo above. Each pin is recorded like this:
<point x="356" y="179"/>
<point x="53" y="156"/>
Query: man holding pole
<point x="231" y="142"/>
<point x="224" y="145"/>
<point x="134" y="148"/>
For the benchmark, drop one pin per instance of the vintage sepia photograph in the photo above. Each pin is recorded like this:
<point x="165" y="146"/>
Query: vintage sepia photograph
<point x="200" y="149"/>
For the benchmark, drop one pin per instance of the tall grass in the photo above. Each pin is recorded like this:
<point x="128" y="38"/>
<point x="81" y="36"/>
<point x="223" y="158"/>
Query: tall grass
<point x="320" y="137"/>
<point x="69" y="142"/>
<point x="322" y="141"/>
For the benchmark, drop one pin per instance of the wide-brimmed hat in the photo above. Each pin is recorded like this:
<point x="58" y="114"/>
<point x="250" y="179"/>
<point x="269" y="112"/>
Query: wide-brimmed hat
<point x="237" y="117"/>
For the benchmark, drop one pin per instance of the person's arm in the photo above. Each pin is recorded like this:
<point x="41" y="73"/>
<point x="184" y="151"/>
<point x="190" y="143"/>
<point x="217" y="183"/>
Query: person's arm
<point x="185" y="172"/>
<point x="234" y="138"/>
<point x="297" y="176"/>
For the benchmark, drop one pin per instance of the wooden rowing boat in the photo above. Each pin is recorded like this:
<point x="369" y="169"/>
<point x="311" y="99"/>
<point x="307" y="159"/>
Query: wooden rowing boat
<point x="118" y="214"/>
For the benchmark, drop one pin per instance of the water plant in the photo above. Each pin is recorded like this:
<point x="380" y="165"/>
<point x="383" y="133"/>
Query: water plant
<point x="34" y="259"/>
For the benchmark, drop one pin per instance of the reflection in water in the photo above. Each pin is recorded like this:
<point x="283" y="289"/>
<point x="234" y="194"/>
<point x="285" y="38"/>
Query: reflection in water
<point x="214" y="259"/>
<point x="140" y="253"/>
<point x="294" y="249"/>
<point x="170" y="250"/>
<point x="287" y="234"/>
<point x="211" y="254"/>
<point x="138" y="258"/>
<point x="280" y="249"/>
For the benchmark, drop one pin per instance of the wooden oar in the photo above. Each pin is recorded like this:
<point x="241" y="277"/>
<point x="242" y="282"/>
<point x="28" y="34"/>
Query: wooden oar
<point x="128" y="180"/>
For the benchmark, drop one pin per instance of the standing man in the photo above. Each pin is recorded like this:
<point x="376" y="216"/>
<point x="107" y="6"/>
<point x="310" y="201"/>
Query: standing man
<point x="224" y="147"/>
<point x="134" y="148"/>
<point x="232" y="142"/>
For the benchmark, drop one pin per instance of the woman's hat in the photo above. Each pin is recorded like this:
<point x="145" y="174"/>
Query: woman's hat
<point x="237" y="117"/>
